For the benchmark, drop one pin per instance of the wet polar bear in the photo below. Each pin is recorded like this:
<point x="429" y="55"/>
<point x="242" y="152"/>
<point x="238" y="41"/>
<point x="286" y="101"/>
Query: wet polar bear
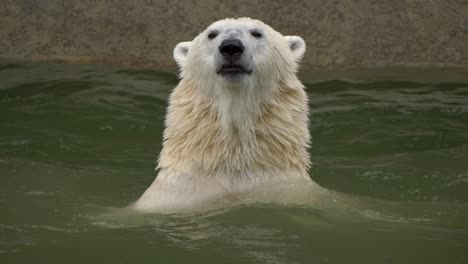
<point x="237" y="122"/>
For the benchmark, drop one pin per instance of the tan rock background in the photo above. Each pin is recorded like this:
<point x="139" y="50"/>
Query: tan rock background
<point x="340" y="34"/>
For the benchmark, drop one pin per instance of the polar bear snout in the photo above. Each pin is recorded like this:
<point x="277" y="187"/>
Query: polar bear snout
<point x="232" y="62"/>
<point x="231" y="48"/>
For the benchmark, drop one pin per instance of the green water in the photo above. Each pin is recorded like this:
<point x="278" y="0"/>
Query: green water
<point x="79" y="143"/>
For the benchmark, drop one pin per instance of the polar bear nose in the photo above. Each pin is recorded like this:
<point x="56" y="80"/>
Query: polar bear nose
<point x="231" y="48"/>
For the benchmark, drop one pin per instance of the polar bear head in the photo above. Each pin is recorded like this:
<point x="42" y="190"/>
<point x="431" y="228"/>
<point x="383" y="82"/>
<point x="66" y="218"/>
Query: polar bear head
<point x="239" y="51"/>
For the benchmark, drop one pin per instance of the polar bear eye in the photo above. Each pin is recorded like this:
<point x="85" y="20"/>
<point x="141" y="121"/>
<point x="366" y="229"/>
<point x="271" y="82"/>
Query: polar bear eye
<point x="256" y="34"/>
<point x="212" y="35"/>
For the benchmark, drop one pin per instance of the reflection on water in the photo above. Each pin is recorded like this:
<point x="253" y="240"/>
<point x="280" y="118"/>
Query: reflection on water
<point x="79" y="143"/>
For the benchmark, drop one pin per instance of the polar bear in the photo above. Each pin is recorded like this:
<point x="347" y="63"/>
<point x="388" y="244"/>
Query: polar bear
<point x="237" y="122"/>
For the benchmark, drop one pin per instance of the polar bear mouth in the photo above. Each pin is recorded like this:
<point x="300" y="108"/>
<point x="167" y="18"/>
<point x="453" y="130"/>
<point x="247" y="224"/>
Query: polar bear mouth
<point x="233" y="69"/>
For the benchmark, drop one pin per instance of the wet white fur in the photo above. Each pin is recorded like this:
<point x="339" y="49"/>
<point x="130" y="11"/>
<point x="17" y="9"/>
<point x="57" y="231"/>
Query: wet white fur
<point x="226" y="137"/>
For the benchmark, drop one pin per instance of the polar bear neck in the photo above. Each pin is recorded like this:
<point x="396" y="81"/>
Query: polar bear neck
<point x="238" y="106"/>
<point x="233" y="130"/>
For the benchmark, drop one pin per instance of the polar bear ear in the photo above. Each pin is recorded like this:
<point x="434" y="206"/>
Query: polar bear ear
<point x="181" y="51"/>
<point x="297" y="46"/>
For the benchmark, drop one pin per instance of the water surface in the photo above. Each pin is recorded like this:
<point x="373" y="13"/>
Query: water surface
<point x="79" y="143"/>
